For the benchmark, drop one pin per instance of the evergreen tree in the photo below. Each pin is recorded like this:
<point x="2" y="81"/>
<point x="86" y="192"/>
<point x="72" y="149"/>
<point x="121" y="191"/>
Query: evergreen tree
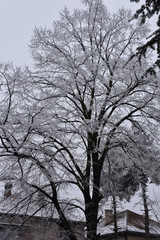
<point x="148" y="10"/>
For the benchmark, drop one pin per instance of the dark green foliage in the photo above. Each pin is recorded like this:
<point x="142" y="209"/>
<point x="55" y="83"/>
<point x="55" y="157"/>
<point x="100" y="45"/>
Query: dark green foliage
<point x="122" y="181"/>
<point x="146" y="11"/>
<point x="129" y="183"/>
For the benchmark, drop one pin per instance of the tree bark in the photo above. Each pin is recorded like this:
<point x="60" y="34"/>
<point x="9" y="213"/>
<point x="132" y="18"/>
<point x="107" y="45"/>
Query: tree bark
<point x="146" y="210"/>
<point x="91" y="213"/>
<point x="115" y="217"/>
<point x="63" y="222"/>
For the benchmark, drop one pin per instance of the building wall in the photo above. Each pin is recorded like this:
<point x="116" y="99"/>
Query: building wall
<point x="133" y="238"/>
<point x="122" y="238"/>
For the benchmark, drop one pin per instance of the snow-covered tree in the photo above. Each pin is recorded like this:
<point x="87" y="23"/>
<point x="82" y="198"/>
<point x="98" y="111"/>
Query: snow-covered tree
<point x="128" y="169"/>
<point x="147" y="10"/>
<point x="77" y="106"/>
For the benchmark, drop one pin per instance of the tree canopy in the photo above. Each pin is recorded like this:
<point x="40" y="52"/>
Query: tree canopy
<point x="60" y="121"/>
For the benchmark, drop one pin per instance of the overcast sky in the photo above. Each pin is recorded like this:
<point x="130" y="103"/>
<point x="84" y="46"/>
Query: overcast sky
<point x="18" y="18"/>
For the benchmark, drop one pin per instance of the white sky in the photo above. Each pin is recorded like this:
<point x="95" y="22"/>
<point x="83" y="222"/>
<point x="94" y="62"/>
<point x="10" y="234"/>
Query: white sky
<point x="18" y="18"/>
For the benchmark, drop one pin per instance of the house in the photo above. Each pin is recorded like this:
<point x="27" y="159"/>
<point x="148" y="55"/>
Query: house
<point x="130" y="226"/>
<point x="23" y="217"/>
<point x="17" y="221"/>
<point x="23" y="227"/>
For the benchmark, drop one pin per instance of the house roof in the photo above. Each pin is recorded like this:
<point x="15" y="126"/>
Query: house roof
<point x="128" y="221"/>
<point x="25" y="201"/>
<point x="19" y="219"/>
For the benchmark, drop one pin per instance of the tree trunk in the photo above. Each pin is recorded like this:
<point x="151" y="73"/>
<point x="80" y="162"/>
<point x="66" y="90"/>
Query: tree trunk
<point x="146" y="210"/>
<point x="63" y="222"/>
<point x="91" y="220"/>
<point x="92" y="204"/>
<point x="115" y="217"/>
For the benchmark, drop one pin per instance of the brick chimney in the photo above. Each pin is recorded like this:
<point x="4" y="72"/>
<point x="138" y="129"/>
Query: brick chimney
<point x="7" y="187"/>
<point x="41" y="199"/>
<point x="108" y="216"/>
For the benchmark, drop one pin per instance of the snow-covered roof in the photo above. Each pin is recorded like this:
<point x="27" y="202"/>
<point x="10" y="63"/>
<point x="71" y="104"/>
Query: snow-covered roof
<point x="24" y="201"/>
<point x="19" y="202"/>
<point x="128" y="221"/>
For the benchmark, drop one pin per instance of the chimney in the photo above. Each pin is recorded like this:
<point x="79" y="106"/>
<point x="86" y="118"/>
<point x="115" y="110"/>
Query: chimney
<point x="7" y="192"/>
<point x="108" y="216"/>
<point x="41" y="199"/>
